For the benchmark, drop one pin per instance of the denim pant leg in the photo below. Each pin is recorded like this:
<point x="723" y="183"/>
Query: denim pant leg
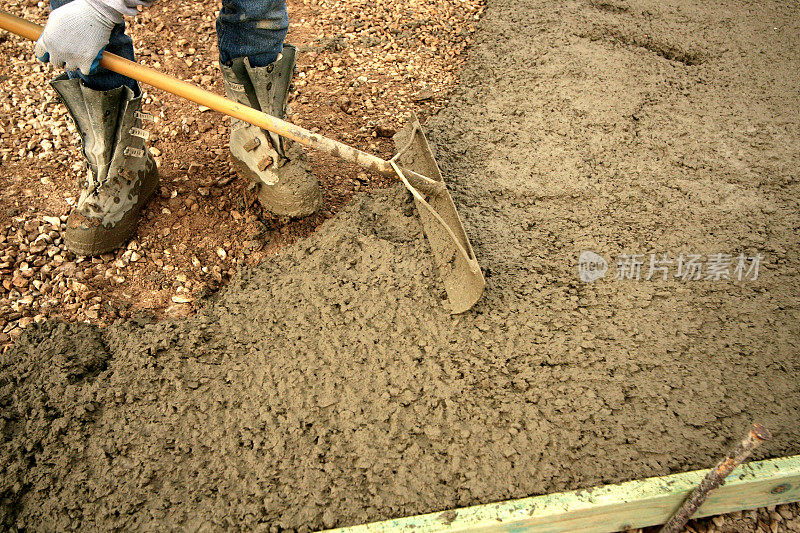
<point x="104" y="79"/>
<point x="252" y="28"/>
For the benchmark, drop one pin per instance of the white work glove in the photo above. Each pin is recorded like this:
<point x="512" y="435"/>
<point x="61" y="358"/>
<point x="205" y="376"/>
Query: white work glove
<point x="76" y="35"/>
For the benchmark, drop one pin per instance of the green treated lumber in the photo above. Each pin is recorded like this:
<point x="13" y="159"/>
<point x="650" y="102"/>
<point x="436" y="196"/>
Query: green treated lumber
<point x="633" y="504"/>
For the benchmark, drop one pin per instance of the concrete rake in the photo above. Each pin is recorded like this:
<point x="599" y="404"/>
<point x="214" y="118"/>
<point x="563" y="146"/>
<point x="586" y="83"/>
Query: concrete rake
<point x="414" y="165"/>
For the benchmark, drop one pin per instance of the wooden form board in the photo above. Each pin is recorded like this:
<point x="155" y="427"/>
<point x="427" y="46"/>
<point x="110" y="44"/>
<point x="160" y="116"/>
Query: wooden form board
<point x="633" y="504"/>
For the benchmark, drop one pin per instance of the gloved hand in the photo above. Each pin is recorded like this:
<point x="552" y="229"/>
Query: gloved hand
<point x="75" y="37"/>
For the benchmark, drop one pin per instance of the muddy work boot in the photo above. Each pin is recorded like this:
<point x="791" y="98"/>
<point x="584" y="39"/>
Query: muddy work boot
<point x="121" y="175"/>
<point x="286" y="186"/>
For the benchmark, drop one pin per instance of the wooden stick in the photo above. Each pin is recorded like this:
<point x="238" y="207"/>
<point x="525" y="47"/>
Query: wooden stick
<point x="715" y="477"/>
<point x="200" y="96"/>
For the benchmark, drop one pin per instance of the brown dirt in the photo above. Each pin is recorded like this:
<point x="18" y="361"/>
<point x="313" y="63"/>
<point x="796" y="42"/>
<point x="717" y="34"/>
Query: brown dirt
<point x="329" y="386"/>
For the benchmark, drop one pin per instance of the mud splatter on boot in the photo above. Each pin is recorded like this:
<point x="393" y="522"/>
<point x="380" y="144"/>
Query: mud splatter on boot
<point x="287" y="187"/>
<point x="121" y="175"/>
